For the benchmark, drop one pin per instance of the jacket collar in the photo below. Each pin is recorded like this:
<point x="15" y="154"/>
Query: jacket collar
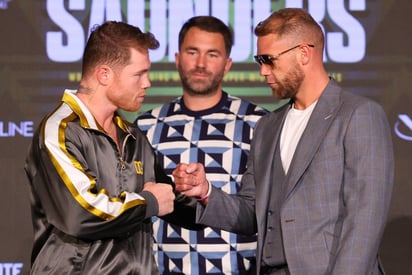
<point x="86" y="118"/>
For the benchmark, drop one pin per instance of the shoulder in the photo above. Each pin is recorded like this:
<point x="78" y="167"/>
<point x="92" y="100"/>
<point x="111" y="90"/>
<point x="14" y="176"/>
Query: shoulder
<point x="245" y="107"/>
<point x="149" y="118"/>
<point x="160" y="111"/>
<point x="358" y="104"/>
<point x="346" y="101"/>
<point x="353" y="110"/>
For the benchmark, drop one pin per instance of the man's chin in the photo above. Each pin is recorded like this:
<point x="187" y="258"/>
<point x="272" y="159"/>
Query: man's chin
<point x="132" y="108"/>
<point x="199" y="91"/>
<point x="278" y="95"/>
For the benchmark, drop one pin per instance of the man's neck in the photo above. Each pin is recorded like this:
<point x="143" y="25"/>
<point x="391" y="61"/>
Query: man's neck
<point x="201" y="102"/>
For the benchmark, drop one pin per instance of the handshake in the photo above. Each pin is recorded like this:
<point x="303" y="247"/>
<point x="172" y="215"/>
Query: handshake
<point x="189" y="179"/>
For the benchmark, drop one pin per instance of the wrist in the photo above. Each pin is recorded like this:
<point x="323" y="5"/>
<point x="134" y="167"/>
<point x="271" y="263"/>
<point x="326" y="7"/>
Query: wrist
<point x="209" y="190"/>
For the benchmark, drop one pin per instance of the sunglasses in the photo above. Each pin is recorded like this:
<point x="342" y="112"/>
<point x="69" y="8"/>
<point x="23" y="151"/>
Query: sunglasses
<point x="269" y="59"/>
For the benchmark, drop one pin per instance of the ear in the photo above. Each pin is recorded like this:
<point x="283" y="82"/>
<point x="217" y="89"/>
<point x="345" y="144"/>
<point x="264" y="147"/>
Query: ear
<point x="306" y="54"/>
<point x="177" y="55"/>
<point x="228" y="65"/>
<point x="104" y="73"/>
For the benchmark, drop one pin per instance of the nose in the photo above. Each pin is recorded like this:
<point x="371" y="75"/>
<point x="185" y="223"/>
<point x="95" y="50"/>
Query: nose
<point x="200" y="60"/>
<point x="146" y="82"/>
<point x="264" y="69"/>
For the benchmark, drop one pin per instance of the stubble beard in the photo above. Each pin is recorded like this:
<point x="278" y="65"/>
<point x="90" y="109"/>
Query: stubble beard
<point x="196" y="87"/>
<point x="290" y="84"/>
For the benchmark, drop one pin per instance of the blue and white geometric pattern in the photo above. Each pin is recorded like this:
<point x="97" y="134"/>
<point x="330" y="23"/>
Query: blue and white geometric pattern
<point x="220" y="139"/>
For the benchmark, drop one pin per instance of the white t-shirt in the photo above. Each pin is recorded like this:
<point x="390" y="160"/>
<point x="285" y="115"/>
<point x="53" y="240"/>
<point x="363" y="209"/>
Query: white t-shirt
<point x="295" y="124"/>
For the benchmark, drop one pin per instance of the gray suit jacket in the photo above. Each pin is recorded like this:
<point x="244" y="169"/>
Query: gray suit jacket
<point x="338" y="190"/>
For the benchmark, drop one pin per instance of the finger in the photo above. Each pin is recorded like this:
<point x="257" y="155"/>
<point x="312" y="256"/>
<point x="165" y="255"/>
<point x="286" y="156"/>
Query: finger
<point x="179" y="172"/>
<point x="191" y="168"/>
<point x="183" y="188"/>
<point x="181" y="167"/>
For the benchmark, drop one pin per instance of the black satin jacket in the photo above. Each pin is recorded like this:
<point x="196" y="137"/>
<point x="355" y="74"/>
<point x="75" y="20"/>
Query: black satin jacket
<point x="90" y="215"/>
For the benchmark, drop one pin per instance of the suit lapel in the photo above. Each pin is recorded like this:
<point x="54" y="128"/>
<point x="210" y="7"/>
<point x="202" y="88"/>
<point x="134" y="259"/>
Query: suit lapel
<point x="322" y="117"/>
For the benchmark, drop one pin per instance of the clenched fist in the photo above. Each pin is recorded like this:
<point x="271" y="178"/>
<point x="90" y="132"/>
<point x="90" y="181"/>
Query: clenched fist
<point x="190" y="179"/>
<point x="164" y="196"/>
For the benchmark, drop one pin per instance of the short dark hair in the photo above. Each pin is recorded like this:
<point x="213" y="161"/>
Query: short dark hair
<point x="110" y="43"/>
<point x="295" y="23"/>
<point x="209" y="24"/>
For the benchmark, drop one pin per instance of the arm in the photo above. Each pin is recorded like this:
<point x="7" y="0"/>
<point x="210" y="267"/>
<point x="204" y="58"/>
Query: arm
<point x="234" y="213"/>
<point x="184" y="213"/>
<point x="368" y="181"/>
<point x="74" y="199"/>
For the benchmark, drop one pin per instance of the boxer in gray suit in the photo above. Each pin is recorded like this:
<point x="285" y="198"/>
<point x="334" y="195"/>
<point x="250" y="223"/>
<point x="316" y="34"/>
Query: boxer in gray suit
<point x="320" y="172"/>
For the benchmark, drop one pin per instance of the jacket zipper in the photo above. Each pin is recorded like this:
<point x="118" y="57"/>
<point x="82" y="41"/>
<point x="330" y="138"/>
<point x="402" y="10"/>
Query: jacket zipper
<point x="122" y="162"/>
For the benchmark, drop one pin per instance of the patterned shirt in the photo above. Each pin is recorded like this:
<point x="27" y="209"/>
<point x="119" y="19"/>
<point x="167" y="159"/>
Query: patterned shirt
<point x="219" y="138"/>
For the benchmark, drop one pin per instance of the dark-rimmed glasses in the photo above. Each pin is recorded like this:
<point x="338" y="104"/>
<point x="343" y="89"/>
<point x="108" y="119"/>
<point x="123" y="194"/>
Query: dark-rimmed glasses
<point x="268" y="59"/>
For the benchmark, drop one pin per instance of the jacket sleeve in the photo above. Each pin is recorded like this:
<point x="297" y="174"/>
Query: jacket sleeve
<point x="367" y="187"/>
<point x="65" y="192"/>
<point x="233" y="213"/>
